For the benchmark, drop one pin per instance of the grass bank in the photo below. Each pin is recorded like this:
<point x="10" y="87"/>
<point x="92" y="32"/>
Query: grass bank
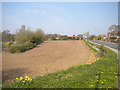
<point x="100" y="74"/>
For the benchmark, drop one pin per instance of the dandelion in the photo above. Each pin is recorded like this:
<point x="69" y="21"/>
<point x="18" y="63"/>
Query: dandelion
<point x="91" y="85"/>
<point x="26" y="77"/>
<point x="102" y="82"/>
<point x="30" y="79"/>
<point x="100" y="87"/>
<point x="16" y="78"/>
<point x="21" y="78"/>
<point x="102" y="72"/>
<point x="97" y="80"/>
<point x="23" y="81"/>
<point x="109" y="87"/>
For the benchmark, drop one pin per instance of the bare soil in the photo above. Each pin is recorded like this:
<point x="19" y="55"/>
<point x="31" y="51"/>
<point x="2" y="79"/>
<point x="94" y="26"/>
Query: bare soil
<point x="48" y="57"/>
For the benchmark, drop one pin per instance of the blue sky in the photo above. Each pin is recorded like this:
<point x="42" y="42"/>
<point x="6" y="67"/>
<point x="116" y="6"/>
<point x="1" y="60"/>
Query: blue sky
<point x="61" y="17"/>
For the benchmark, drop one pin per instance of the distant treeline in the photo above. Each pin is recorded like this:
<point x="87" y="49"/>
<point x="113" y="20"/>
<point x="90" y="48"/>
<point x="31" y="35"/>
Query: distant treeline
<point x="63" y="37"/>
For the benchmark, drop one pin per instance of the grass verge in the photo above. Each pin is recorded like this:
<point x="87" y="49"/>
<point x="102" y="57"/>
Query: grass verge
<point x="100" y="74"/>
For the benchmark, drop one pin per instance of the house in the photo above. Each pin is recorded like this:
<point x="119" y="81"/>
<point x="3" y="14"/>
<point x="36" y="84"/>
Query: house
<point x="114" y="36"/>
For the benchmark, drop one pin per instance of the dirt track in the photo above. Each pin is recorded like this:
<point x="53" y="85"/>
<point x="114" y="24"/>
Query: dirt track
<point x="50" y="56"/>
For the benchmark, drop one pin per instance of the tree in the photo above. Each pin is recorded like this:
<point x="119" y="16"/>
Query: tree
<point x="73" y="37"/>
<point x="80" y="36"/>
<point x="99" y="37"/>
<point x="92" y="37"/>
<point x="113" y="28"/>
<point x="0" y="36"/>
<point x="87" y="34"/>
<point x="24" y="36"/>
<point x="7" y="36"/>
<point x="63" y="37"/>
<point x="23" y="27"/>
<point x="39" y="36"/>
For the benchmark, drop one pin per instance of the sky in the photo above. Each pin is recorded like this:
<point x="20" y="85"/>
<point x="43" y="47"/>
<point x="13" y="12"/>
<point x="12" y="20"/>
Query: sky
<point x="71" y="18"/>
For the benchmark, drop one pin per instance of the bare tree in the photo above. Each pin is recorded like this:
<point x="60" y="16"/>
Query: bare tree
<point x="7" y="36"/>
<point x="23" y="27"/>
<point x="113" y="28"/>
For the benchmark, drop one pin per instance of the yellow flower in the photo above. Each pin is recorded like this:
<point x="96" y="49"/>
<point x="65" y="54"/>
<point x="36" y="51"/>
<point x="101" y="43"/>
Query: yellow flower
<point x="21" y="78"/>
<point x="26" y="77"/>
<point x="102" y="72"/>
<point x="91" y="85"/>
<point x="109" y="87"/>
<point x="16" y="78"/>
<point x="7" y="44"/>
<point x="100" y="87"/>
<point x="102" y="82"/>
<point x="30" y="79"/>
<point x="97" y="80"/>
<point x="23" y="81"/>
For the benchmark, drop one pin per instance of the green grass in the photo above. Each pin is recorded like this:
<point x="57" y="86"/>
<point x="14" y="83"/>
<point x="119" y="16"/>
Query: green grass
<point x="100" y="74"/>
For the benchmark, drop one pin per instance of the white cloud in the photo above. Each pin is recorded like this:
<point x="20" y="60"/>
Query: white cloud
<point x="36" y="11"/>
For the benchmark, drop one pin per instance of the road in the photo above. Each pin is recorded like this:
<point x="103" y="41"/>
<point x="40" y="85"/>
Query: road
<point x="111" y="45"/>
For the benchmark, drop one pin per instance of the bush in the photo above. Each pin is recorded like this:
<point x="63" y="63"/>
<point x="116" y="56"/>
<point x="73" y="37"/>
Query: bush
<point x="38" y="36"/>
<point x="21" y="47"/>
<point x="113" y="38"/>
<point x="26" y="40"/>
<point x="28" y="36"/>
<point x="24" y="36"/>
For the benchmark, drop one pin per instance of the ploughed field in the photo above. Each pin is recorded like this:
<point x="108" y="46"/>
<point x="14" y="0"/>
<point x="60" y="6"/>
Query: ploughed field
<point x="48" y="57"/>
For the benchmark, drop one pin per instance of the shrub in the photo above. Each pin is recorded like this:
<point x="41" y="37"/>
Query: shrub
<point x="113" y="38"/>
<point x="24" y="36"/>
<point x="28" y="36"/>
<point x="21" y="47"/>
<point x="38" y="36"/>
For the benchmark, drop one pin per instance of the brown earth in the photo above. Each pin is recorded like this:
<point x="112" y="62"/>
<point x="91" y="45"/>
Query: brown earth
<point x="50" y="56"/>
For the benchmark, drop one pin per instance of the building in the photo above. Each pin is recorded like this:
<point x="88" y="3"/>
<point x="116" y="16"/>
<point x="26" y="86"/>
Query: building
<point x="114" y="36"/>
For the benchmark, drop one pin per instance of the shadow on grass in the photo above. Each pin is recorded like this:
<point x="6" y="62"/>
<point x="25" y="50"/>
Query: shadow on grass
<point x="10" y="75"/>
